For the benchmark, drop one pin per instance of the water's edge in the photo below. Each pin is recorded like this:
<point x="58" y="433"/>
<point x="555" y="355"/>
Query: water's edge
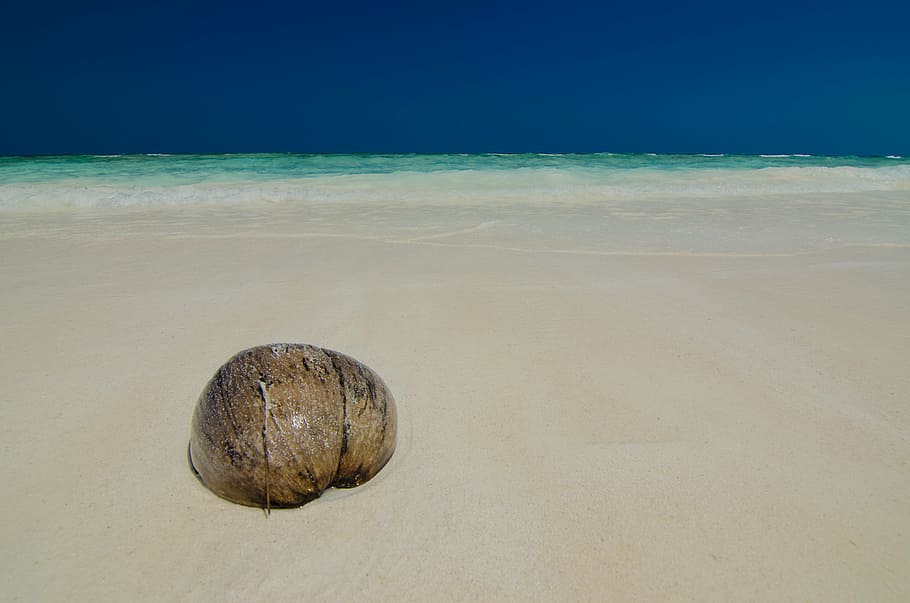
<point x="87" y="181"/>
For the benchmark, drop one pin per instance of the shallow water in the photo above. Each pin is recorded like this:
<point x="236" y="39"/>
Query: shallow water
<point x="55" y="182"/>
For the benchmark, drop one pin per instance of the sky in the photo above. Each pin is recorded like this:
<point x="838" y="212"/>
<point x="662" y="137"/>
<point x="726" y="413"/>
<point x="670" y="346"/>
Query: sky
<point x="468" y="76"/>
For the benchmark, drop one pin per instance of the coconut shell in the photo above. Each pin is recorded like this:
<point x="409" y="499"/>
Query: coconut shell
<point x="278" y="424"/>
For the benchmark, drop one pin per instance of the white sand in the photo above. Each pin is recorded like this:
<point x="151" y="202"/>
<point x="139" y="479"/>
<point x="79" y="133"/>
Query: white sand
<point x="708" y="402"/>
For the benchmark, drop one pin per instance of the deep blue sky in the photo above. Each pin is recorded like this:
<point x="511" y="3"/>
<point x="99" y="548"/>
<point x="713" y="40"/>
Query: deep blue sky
<point x="752" y="77"/>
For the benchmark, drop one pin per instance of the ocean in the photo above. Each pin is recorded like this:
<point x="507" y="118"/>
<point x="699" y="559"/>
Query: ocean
<point x="114" y="181"/>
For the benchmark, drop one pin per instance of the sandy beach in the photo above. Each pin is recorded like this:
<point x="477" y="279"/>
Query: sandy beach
<point x="698" y="401"/>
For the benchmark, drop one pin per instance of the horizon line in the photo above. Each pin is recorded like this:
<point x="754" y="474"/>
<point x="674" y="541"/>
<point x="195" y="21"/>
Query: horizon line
<point x="706" y="154"/>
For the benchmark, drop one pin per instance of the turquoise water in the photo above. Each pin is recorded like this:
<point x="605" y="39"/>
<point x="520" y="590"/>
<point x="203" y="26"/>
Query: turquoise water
<point x="148" y="180"/>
